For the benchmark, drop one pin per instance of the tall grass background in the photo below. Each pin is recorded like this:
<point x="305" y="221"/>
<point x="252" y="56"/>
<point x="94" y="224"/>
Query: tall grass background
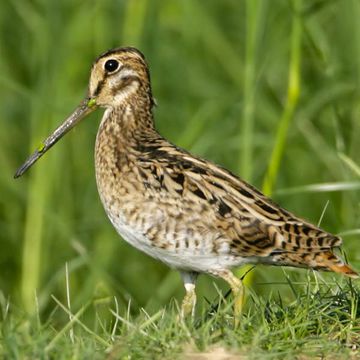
<point x="268" y="89"/>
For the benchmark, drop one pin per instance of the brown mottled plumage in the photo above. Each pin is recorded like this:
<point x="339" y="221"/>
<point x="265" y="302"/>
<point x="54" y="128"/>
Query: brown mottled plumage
<point x="188" y="212"/>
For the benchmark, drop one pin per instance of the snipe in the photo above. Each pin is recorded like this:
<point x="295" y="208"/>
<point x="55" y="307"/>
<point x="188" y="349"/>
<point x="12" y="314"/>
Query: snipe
<point x="185" y="211"/>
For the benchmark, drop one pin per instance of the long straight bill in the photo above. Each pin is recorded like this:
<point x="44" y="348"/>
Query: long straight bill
<point x="86" y="107"/>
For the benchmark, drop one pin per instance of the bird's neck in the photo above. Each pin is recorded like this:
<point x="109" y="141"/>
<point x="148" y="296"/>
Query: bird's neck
<point x="130" y="120"/>
<point x="124" y="129"/>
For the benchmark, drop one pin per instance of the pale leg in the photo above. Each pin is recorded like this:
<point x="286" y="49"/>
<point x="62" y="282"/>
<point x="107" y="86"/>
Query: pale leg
<point x="237" y="289"/>
<point x="189" y="301"/>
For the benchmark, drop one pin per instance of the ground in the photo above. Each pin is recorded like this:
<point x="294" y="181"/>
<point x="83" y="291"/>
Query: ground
<point x="322" y="321"/>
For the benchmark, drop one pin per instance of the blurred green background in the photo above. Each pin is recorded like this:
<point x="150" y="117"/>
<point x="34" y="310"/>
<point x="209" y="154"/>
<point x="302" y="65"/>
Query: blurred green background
<point x="260" y="87"/>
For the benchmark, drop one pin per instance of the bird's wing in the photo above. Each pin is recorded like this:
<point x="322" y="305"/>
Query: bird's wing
<point x="253" y="222"/>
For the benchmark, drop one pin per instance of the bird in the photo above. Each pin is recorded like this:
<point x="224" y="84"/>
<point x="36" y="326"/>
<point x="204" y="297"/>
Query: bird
<point x="191" y="214"/>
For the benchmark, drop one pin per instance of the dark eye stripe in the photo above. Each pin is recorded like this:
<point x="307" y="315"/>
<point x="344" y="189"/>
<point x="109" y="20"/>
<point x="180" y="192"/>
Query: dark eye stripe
<point x="99" y="87"/>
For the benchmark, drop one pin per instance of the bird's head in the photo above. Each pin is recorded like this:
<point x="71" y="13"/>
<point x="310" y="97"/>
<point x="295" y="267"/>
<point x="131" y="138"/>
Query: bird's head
<point x="117" y="77"/>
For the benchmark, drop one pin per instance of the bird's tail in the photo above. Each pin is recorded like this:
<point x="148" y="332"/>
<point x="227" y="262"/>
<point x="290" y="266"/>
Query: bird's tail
<point x="318" y="260"/>
<point x="305" y="245"/>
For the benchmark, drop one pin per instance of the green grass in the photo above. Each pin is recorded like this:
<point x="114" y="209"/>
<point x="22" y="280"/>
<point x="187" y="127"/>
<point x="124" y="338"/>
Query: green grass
<point x="267" y="89"/>
<point x="322" y="320"/>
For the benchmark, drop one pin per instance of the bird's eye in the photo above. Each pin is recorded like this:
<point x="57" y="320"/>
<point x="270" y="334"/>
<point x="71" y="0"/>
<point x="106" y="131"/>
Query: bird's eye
<point x="111" y="65"/>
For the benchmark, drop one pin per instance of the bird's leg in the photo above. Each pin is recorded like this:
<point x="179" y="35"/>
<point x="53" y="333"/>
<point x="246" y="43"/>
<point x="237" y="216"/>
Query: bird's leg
<point x="189" y="301"/>
<point x="237" y="289"/>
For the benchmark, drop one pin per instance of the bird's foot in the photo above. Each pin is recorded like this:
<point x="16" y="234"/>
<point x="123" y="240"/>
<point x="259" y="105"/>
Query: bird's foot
<point x="188" y="303"/>
<point x="238" y="292"/>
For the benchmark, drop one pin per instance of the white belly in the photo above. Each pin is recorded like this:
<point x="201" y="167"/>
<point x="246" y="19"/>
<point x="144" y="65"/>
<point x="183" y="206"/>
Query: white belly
<point x="184" y="259"/>
<point x="186" y="244"/>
